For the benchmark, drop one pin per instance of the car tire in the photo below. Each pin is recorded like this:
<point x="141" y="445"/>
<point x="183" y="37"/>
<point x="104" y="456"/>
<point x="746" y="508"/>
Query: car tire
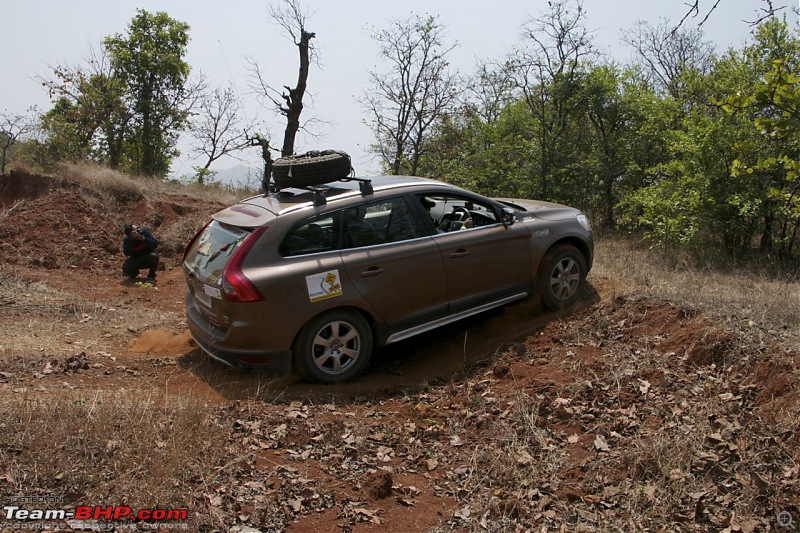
<point x="333" y="347"/>
<point x="562" y="276"/>
<point x="311" y="168"/>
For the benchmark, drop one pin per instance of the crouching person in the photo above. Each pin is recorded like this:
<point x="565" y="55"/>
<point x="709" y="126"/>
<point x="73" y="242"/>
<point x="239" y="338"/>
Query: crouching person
<point x="139" y="246"/>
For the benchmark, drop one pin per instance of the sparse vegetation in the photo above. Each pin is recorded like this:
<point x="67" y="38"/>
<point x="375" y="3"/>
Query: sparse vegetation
<point x="765" y="293"/>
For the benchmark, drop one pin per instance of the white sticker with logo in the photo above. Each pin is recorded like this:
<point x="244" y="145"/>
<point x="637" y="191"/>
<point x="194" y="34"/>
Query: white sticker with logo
<point x="324" y="285"/>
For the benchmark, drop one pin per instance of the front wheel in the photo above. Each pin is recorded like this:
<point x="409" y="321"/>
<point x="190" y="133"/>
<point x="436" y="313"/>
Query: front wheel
<point x="561" y="277"/>
<point x="333" y="347"/>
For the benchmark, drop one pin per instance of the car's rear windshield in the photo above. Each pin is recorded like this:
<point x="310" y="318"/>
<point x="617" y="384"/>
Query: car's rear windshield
<point x="211" y="250"/>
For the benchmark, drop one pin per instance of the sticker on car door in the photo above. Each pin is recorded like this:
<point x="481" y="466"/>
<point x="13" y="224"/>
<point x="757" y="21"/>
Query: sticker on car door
<point x="324" y="285"/>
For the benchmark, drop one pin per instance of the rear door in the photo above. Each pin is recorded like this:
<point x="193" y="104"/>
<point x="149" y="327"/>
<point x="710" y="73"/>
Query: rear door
<point x="398" y="268"/>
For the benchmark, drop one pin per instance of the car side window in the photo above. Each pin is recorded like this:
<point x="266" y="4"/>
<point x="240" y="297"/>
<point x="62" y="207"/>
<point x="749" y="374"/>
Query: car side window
<point x="380" y="222"/>
<point x="450" y="213"/>
<point x="311" y="237"/>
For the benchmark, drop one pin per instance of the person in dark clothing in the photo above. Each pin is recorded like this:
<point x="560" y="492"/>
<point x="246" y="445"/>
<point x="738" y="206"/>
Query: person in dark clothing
<point x="139" y="246"/>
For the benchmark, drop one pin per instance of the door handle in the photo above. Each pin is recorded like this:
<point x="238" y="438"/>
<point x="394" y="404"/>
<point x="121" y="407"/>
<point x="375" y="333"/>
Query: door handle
<point x="372" y="272"/>
<point x="458" y="254"/>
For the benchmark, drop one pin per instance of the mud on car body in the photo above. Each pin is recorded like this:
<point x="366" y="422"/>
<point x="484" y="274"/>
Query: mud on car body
<point x="313" y="278"/>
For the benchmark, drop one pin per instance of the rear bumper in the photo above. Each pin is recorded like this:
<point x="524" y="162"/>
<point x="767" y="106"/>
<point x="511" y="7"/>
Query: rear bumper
<point x="212" y="342"/>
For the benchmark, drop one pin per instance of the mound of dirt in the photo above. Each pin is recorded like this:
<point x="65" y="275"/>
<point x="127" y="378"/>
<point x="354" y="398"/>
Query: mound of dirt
<point x="54" y="224"/>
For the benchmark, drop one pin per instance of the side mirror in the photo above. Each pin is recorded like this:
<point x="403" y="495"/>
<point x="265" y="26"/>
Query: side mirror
<point x="509" y="216"/>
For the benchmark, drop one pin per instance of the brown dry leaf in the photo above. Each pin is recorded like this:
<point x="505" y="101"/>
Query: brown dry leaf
<point x="600" y="444"/>
<point x="573" y="439"/>
<point x="431" y="464"/>
<point x="372" y="516"/>
<point x="523" y="458"/>
<point x="385" y="454"/>
<point x="748" y="526"/>
<point x="408" y="502"/>
<point x="455" y="440"/>
<point x="463" y="514"/>
<point x="297" y="504"/>
<point x="644" y="386"/>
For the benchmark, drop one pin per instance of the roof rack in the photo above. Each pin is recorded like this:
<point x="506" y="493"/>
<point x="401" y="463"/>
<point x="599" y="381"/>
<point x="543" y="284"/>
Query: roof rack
<point x="364" y="186"/>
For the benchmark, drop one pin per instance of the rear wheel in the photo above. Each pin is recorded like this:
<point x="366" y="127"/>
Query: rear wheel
<point x="333" y="347"/>
<point x="562" y="275"/>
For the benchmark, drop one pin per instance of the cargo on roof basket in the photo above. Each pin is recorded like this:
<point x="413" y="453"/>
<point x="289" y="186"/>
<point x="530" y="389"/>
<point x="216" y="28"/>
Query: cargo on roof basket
<point x="311" y="168"/>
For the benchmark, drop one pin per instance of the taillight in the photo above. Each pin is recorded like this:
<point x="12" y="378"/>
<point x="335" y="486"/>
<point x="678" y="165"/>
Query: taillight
<point x="236" y="286"/>
<point x="196" y="236"/>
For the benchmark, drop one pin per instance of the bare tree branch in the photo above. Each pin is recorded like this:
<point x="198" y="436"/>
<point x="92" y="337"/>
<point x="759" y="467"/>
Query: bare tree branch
<point x="406" y="101"/>
<point x="694" y="11"/>
<point x="216" y="127"/>
<point x="666" y="53"/>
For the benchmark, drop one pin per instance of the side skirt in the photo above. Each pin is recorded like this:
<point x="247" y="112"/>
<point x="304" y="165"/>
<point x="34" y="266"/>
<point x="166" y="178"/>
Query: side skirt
<point x="428" y="326"/>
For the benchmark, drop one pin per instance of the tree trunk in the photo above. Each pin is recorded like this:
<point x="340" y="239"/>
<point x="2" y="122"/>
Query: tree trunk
<point x="608" y="193"/>
<point x="766" y="236"/>
<point x="294" y="99"/>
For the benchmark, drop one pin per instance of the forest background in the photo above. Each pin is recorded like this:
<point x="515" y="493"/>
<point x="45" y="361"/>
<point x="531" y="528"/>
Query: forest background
<point x="693" y="149"/>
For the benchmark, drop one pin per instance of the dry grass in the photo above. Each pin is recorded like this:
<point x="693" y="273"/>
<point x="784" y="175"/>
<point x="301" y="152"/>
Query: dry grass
<point x="113" y="184"/>
<point x="755" y="296"/>
<point x="125" y="187"/>
<point x="145" y="451"/>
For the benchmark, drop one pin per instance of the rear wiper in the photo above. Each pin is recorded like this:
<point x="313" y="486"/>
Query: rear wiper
<point x="220" y="250"/>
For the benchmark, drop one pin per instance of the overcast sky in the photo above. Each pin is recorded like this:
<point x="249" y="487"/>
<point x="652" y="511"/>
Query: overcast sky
<point x="37" y="33"/>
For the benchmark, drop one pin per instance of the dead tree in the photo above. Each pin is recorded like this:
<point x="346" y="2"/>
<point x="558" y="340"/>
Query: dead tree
<point x="289" y="102"/>
<point x="258" y="140"/>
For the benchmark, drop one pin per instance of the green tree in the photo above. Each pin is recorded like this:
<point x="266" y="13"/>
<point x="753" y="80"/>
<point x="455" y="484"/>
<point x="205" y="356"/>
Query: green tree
<point x="728" y="178"/>
<point x="89" y="117"/>
<point x="149" y="61"/>
<point x="489" y="157"/>
<point x="611" y="121"/>
<point x="767" y="160"/>
<point x="548" y="69"/>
